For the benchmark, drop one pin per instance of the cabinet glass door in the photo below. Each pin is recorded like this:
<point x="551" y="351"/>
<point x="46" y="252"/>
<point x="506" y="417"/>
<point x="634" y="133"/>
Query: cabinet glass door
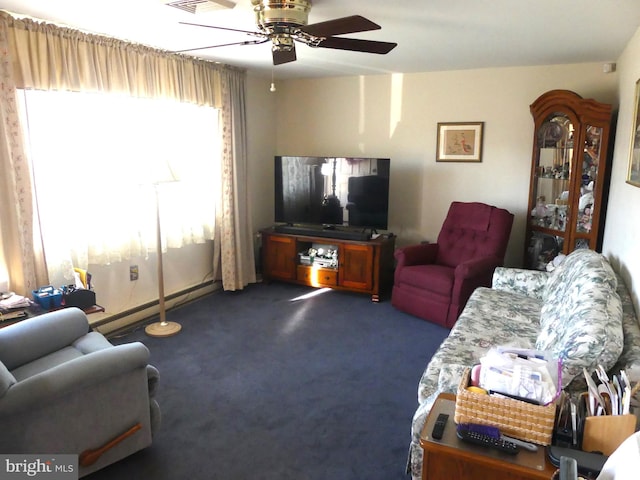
<point x="553" y="173"/>
<point x="591" y="155"/>
<point x="551" y="188"/>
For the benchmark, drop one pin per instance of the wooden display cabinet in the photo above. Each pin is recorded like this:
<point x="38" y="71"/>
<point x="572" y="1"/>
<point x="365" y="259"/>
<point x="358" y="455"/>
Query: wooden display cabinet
<point x="362" y="266"/>
<point x="569" y="176"/>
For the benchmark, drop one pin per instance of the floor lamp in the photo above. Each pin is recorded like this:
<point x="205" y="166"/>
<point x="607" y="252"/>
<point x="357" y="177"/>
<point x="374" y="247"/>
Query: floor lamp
<point x="161" y="328"/>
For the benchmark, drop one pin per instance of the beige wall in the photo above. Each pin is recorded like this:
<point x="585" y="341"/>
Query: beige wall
<point x="261" y="131"/>
<point x="622" y="231"/>
<point x="397" y="116"/>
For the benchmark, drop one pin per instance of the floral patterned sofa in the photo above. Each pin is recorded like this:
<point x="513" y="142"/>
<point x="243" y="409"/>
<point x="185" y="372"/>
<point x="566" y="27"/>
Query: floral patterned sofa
<point x="581" y="311"/>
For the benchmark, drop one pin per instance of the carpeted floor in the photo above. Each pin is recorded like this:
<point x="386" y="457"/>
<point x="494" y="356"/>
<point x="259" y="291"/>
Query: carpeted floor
<point x="266" y="383"/>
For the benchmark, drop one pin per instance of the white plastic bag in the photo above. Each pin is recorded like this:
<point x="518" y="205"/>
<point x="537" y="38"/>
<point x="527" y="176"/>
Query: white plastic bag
<point x="521" y="373"/>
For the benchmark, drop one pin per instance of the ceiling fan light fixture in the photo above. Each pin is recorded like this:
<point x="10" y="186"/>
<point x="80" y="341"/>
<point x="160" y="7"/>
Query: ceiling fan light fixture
<point x="282" y="43"/>
<point x="272" y="14"/>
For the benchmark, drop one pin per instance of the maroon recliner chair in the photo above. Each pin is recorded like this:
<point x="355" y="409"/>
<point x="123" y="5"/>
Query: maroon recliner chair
<point x="433" y="281"/>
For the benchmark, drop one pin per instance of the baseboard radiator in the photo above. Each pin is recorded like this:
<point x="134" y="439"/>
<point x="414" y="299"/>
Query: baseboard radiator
<point x="121" y="322"/>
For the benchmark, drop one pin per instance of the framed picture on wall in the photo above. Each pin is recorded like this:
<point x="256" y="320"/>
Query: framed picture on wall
<point x="459" y="142"/>
<point x="633" y="175"/>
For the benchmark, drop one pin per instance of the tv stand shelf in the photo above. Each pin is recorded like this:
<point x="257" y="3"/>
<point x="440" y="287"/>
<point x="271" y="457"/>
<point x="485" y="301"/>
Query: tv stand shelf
<point x="364" y="266"/>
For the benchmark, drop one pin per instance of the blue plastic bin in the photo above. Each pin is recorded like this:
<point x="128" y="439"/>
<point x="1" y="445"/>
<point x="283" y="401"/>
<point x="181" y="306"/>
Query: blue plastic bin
<point x="48" y="297"/>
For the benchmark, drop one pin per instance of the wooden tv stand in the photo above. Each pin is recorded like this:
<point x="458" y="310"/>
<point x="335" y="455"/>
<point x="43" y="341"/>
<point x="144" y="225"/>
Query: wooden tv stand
<point x="364" y="266"/>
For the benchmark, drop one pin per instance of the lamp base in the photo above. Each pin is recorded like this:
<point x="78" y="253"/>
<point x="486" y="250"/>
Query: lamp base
<point x="162" y="329"/>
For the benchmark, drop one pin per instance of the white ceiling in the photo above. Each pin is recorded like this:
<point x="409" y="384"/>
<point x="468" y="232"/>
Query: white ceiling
<point x="432" y="35"/>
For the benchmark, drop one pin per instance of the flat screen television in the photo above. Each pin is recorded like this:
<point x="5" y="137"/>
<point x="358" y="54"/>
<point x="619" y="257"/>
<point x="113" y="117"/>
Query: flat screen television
<point x="332" y="191"/>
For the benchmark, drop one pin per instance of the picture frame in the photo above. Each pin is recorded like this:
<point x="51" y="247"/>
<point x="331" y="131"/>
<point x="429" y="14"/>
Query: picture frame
<point x="459" y="142"/>
<point x="633" y="173"/>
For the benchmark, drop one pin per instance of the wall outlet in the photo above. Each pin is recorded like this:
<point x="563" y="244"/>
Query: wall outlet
<point x="133" y="272"/>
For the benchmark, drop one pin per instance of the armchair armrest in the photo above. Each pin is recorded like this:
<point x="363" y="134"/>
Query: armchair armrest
<point x="36" y="337"/>
<point x="422" y="254"/>
<point x="477" y="267"/>
<point x="6" y="379"/>
<point x="92" y="342"/>
<point x="470" y="275"/>
<point x="531" y="283"/>
<point x="75" y="374"/>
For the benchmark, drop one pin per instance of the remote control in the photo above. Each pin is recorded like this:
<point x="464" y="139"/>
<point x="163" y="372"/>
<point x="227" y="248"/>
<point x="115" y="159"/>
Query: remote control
<point x="438" y="427"/>
<point x="487" y="441"/>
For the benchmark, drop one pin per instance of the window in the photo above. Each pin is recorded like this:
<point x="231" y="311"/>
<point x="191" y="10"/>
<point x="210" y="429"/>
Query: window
<point x="98" y="160"/>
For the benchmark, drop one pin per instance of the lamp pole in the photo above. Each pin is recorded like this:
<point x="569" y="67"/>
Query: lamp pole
<point x="161" y="328"/>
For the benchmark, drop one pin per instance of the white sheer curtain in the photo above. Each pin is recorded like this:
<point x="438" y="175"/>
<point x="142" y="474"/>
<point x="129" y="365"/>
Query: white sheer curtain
<point x="96" y="158"/>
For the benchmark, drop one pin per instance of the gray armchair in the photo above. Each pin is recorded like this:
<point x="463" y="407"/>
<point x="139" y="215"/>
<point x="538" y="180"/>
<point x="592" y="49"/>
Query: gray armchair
<point x="64" y="389"/>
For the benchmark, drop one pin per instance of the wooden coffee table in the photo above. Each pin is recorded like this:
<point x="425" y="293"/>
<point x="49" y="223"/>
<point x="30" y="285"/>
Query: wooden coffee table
<point x="451" y="458"/>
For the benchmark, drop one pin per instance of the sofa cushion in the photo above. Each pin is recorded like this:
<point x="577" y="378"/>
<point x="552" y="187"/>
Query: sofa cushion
<point x="438" y="278"/>
<point x="582" y="272"/>
<point x="45" y="363"/>
<point x="490" y="318"/>
<point x="581" y="316"/>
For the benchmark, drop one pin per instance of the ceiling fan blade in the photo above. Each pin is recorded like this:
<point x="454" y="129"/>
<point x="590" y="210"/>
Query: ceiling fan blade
<point x="224" y="3"/>
<point x="339" y="26"/>
<point x="246" y="42"/>
<point x="357" y="45"/>
<point x="284" y="56"/>
<point x="221" y="28"/>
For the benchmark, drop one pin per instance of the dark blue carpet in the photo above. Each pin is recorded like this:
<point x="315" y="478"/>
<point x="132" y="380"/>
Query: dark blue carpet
<point x="261" y="384"/>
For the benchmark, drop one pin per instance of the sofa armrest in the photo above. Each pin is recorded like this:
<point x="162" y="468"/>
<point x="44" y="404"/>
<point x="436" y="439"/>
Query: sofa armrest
<point x="629" y="359"/>
<point x="36" y="337"/>
<point x="75" y="374"/>
<point x="422" y="254"/>
<point x="531" y="283"/>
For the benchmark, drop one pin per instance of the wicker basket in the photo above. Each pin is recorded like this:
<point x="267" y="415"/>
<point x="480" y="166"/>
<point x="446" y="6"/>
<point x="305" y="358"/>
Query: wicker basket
<point x="532" y="423"/>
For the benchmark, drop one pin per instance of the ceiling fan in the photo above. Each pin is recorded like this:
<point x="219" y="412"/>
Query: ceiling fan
<point x="284" y="22"/>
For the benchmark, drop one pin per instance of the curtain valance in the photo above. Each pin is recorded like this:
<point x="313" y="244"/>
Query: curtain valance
<point x="50" y="57"/>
